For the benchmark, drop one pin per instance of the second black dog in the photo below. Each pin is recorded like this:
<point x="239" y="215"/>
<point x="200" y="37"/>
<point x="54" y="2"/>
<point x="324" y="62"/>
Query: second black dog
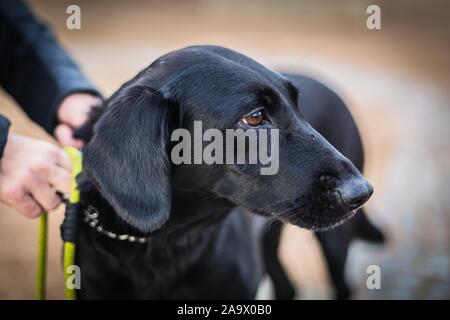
<point x="329" y="115"/>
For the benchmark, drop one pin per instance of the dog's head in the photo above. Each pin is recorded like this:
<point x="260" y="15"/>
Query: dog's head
<point x="129" y="156"/>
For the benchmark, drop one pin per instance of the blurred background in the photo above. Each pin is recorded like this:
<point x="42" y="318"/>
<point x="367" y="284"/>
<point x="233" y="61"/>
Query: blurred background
<point x="395" y="80"/>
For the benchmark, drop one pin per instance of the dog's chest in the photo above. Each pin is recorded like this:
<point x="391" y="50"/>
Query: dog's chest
<point x="219" y="263"/>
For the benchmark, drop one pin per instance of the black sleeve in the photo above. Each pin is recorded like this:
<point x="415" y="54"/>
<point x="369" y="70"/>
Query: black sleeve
<point x="4" y="126"/>
<point x="34" y="69"/>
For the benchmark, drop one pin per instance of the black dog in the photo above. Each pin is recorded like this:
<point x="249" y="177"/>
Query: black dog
<point x="182" y="234"/>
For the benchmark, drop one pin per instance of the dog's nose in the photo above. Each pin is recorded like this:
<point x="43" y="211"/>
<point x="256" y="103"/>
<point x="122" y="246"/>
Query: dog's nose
<point x="354" y="192"/>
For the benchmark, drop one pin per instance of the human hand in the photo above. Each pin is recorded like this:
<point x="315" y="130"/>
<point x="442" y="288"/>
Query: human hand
<point x="72" y="113"/>
<point x="32" y="171"/>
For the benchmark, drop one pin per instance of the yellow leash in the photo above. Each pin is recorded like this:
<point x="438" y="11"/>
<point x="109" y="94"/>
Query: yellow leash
<point x="69" y="231"/>
<point x="42" y="258"/>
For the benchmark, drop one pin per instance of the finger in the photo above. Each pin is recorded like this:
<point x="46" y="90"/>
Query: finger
<point x="28" y="207"/>
<point x="77" y="119"/>
<point x="43" y="193"/>
<point x="63" y="160"/>
<point x="75" y="109"/>
<point x="56" y="158"/>
<point x="64" y="135"/>
<point x="60" y="179"/>
<point x="46" y="169"/>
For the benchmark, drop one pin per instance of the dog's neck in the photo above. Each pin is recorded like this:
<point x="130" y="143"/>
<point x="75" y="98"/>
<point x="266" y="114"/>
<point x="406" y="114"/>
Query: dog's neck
<point x="191" y="212"/>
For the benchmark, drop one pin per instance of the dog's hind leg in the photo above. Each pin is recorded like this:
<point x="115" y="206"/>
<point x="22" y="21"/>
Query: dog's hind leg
<point x="284" y="290"/>
<point x="366" y="230"/>
<point x="335" y="244"/>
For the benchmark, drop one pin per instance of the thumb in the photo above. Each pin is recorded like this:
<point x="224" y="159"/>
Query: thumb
<point x="64" y="135"/>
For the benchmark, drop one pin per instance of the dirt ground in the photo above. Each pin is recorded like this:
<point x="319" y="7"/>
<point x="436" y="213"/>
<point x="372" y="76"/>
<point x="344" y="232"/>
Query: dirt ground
<point x="395" y="80"/>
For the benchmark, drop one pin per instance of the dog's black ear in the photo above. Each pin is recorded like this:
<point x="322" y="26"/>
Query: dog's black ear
<point x="127" y="158"/>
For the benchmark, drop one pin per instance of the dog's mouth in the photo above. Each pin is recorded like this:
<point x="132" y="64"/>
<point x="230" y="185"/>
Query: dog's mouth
<point x="317" y="222"/>
<point x="321" y="208"/>
<point x="327" y="223"/>
<point x="318" y="213"/>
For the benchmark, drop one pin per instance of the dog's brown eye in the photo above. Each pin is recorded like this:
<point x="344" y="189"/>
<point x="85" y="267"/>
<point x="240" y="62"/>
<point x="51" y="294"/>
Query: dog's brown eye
<point x="254" y="119"/>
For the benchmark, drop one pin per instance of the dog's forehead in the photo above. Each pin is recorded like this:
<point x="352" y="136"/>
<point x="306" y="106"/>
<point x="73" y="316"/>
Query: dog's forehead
<point x="214" y="83"/>
<point x="209" y="72"/>
<point x="217" y="67"/>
